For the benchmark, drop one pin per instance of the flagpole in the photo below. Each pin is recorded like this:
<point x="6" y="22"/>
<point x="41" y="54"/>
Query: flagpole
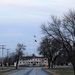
<point x="34" y="49"/>
<point x="34" y="44"/>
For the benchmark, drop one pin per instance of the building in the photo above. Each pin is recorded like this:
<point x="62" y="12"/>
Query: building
<point x="33" y="61"/>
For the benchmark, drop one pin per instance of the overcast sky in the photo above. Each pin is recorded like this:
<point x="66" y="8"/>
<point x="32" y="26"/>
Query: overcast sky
<point x="20" y="20"/>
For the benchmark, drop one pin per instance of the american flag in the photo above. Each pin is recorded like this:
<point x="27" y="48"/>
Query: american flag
<point x="34" y="36"/>
<point x="35" y="39"/>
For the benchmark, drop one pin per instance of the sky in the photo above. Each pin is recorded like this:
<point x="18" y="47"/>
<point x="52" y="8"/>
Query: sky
<point x="20" y="20"/>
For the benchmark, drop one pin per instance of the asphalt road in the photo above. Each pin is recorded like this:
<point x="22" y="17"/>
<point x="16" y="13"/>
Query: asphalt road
<point x="30" y="71"/>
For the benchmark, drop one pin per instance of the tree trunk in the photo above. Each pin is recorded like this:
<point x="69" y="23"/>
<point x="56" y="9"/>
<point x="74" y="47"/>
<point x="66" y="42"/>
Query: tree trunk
<point x="74" y="68"/>
<point x="49" y="63"/>
<point x="52" y="65"/>
<point x="16" y="64"/>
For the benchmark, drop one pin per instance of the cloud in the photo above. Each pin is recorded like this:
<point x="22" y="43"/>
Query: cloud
<point x="19" y="3"/>
<point x="36" y="3"/>
<point x="14" y="2"/>
<point x="26" y="6"/>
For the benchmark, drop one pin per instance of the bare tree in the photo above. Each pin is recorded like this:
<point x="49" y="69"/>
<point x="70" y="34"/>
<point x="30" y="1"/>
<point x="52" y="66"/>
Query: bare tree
<point x="19" y="52"/>
<point x="44" y="49"/>
<point x="50" y="49"/>
<point x="63" y="29"/>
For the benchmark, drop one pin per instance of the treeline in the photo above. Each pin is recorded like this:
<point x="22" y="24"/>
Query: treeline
<point x="14" y="56"/>
<point x="59" y="40"/>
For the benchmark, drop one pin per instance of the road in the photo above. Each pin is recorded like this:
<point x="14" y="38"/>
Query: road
<point x="30" y="71"/>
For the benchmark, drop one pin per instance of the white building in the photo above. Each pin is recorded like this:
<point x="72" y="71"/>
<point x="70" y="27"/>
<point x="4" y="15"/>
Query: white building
<point x="33" y="61"/>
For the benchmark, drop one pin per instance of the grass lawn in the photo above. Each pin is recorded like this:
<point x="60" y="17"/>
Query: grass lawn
<point x="4" y="70"/>
<point x="63" y="71"/>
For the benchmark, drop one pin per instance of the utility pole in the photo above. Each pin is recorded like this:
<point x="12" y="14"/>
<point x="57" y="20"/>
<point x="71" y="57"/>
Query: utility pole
<point x="7" y="57"/>
<point x="2" y="47"/>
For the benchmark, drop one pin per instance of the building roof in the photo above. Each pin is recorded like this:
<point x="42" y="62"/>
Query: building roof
<point x="30" y="57"/>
